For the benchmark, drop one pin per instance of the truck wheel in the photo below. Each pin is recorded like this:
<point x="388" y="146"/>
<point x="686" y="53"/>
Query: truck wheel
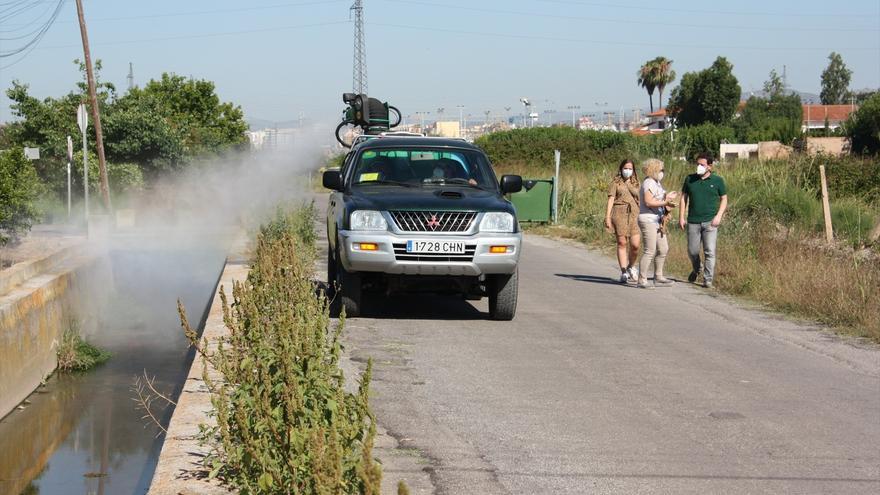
<point x="331" y="268"/>
<point x="502" y="296"/>
<point x="348" y="290"/>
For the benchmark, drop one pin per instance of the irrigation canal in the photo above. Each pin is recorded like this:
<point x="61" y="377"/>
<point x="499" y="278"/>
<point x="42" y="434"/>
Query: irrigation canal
<point x="83" y="433"/>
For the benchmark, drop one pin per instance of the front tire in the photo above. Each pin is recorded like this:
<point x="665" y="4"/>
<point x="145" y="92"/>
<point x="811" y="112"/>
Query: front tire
<point x="348" y="290"/>
<point x="503" y="291"/>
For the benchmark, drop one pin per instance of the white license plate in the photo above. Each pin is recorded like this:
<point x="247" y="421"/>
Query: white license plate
<point x="438" y="247"/>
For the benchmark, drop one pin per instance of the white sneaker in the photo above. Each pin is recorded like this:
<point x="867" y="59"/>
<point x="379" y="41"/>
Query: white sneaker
<point x="633" y="273"/>
<point x="623" y="277"/>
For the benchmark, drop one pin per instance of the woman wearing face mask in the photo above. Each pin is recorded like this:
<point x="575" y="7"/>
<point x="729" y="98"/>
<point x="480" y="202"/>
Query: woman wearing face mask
<point x="621" y="218"/>
<point x="653" y="201"/>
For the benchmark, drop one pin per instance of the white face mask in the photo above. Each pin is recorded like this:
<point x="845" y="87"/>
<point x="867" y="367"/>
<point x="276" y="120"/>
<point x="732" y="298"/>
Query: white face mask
<point x="701" y="169"/>
<point x="660" y="177"/>
<point x="626" y="173"/>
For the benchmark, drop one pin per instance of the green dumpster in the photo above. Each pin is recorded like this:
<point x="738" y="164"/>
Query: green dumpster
<point x="535" y="202"/>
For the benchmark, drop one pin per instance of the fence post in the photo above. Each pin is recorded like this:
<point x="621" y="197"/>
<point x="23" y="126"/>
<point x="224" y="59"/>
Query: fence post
<point x="826" y="208"/>
<point x="556" y="155"/>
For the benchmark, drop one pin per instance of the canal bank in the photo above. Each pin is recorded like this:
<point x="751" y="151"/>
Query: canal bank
<point x="39" y="300"/>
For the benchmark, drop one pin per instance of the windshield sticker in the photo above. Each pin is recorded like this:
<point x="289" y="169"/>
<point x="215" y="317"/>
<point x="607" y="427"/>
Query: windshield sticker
<point x="369" y="177"/>
<point x="423" y="155"/>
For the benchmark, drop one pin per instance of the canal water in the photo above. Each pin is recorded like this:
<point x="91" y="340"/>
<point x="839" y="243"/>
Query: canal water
<point x="83" y="433"/>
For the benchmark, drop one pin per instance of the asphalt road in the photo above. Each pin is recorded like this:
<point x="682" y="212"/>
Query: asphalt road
<point x="601" y="388"/>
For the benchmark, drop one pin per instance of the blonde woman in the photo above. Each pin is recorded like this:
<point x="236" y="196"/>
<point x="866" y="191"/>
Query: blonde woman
<point x="653" y="203"/>
<point x="621" y="218"/>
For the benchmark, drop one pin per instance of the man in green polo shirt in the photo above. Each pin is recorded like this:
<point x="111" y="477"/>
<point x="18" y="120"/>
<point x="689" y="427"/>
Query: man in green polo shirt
<point x="704" y="198"/>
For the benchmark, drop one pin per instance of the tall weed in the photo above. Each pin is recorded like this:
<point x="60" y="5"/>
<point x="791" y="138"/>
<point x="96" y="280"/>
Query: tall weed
<point x="284" y="423"/>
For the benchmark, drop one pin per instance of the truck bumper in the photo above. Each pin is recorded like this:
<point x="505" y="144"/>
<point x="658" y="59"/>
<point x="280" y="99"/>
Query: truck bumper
<point x="390" y="254"/>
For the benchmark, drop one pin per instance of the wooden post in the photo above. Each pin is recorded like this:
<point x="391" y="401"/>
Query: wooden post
<point x="826" y="208"/>
<point x="93" y="100"/>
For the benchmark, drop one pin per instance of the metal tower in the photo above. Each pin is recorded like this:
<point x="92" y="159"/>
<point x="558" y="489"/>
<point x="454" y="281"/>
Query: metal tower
<point x="359" y="74"/>
<point x="130" y="76"/>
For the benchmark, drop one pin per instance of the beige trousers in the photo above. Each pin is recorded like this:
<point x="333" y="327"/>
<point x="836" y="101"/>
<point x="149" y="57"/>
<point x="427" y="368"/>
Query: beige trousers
<point x="654" y="250"/>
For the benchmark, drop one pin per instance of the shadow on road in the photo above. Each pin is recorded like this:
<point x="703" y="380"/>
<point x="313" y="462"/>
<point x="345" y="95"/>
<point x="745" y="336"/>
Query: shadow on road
<point x="589" y="278"/>
<point x="411" y="307"/>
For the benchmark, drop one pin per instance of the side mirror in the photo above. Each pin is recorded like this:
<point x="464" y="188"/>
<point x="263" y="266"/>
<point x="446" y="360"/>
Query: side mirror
<point x="332" y="179"/>
<point x="511" y="184"/>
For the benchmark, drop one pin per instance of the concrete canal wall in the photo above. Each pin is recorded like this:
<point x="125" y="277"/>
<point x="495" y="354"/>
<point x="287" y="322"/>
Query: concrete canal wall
<point x="38" y="301"/>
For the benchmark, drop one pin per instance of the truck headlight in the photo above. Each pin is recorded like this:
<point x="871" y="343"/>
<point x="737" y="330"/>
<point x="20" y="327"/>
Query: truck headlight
<point x="368" y="220"/>
<point x="497" y="222"/>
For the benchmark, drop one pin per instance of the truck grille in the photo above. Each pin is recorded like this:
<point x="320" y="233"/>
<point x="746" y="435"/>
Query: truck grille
<point x="433" y="221"/>
<point x="401" y="255"/>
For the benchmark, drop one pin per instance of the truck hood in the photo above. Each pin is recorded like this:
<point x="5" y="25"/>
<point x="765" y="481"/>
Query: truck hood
<point x="431" y="198"/>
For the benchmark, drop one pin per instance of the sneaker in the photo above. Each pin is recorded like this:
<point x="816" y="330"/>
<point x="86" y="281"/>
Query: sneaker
<point x="633" y="273"/>
<point x="624" y="277"/>
<point x="643" y="284"/>
<point x="664" y="282"/>
<point x="708" y="284"/>
<point x="692" y="277"/>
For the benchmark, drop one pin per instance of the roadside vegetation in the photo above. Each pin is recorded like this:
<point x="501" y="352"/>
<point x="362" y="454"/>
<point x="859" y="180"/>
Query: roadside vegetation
<point x="75" y="354"/>
<point x="19" y="189"/>
<point x="284" y="421"/>
<point x="168" y="125"/>
<point x="770" y="247"/>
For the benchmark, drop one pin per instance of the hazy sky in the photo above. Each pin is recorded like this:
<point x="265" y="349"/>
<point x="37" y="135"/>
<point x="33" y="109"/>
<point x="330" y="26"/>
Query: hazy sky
<point x="279" y="59"/>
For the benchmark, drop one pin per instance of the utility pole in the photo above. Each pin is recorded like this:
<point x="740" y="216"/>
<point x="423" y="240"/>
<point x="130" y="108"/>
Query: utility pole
<point x="359" y="72"/>
<point x="573" y="108"/>
<point x="96" y="113"/>
<point x="130" y="76"/>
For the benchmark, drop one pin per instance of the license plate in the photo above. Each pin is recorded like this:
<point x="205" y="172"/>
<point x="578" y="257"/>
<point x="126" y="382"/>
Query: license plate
<point x="438" y="247"/>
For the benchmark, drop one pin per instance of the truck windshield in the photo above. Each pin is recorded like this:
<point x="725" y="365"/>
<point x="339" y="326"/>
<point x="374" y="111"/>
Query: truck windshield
<point x="420" y="166"/>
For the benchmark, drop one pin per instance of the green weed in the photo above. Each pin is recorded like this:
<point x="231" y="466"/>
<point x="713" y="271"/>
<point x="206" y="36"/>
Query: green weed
<point x="75" y="354"/>
<point x="284" y="422"/>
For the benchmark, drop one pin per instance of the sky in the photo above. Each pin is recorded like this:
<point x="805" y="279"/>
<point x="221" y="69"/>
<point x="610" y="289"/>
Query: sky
<point x="285" y="59"/>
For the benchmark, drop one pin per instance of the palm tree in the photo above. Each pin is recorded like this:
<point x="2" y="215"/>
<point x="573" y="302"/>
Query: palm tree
<point x="663" y="75"/>
<point x="648" y="80"/>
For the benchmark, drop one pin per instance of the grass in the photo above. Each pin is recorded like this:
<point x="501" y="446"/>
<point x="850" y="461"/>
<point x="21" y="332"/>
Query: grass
<point x="768" y="249"/>
<point x="284" y="421"/>
<point x="75" y="354"/>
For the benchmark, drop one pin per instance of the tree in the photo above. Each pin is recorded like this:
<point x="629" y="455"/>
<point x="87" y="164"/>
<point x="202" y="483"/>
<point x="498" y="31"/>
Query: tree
<point x="776" y="117"/>
<point x="835" y="81"/>
<point x="863" y="127"/>
<point x="664" y="75"/>
<point x="710" y="95"/>
<point x="774" y="85"/>
<point x="161" y="127"/>
<point x="19" y="188"/>
<point x="647" y="78"/>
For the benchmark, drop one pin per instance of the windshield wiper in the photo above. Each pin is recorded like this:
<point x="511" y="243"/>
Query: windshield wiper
<point x="455" y="180"/>
<point x="390" y="182"/>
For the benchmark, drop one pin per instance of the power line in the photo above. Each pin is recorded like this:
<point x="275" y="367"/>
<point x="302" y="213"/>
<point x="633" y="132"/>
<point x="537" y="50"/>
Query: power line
<point x="29" y="45"/>
<point x="701" y="11"/>
<point x="210" y="12"/>
<point x="620" y="43"/>
<point x="204" y="35"/>
<point x="713" y="27"/>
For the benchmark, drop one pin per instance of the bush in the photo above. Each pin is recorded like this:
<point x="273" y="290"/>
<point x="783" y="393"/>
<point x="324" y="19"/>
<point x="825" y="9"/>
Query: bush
<point x="536" y="146"/>
<point x="75" y="354"/>
<point x="704" y="138"/>
<point x="285" y="423"/>
<point x="863" y="127"/>
<point x="19" y="189"/>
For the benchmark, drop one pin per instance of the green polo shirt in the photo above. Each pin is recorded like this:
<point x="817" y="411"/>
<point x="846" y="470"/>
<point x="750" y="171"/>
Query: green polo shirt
<point x="704" y="197"/>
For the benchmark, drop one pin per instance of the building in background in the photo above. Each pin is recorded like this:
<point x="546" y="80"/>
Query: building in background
<point x="816" y="116"/>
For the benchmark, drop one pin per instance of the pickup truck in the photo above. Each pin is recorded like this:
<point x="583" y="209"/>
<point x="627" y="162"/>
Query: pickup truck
<point x="420" y="214"/>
